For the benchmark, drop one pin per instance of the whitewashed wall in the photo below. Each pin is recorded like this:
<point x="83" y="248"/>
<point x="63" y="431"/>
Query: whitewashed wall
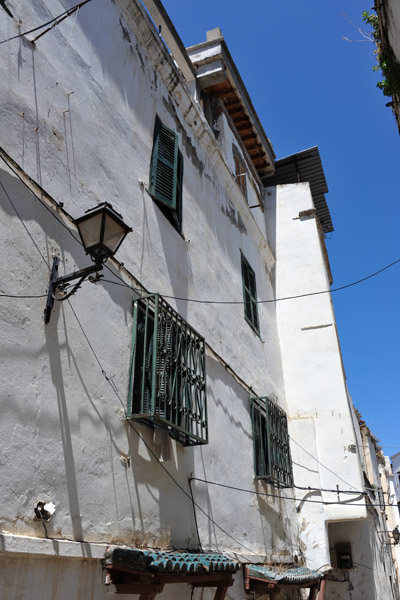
<point x="323" y="437"/>
<point x="77" y="114"/>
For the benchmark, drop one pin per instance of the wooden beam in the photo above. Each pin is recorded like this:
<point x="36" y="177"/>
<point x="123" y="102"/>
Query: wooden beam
<point x="212" y="583"/>
<point x="232" y="103"/>
<point x="209" y="579"/>
<point x="132" y="588"/>
<point x="240" y="120"/>
<point x="256" y="152"/>
<point x="244" y="128"/>
<point x="246" y="138"/>
<point x="233" y="109"/>
<point x="220" y="593"/>
<point x="253" y="147"/>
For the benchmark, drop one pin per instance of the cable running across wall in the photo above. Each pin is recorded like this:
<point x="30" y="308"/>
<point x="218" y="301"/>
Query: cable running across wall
<point x="279" y="496"/>
<point x="52" y="22"/>
<point x="194" y="503"/>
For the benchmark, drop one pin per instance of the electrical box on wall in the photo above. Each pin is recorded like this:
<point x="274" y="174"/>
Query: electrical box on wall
<point x="343" y="556"/>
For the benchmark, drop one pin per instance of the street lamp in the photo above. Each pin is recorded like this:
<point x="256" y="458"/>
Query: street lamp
<point x="102" y="231"/>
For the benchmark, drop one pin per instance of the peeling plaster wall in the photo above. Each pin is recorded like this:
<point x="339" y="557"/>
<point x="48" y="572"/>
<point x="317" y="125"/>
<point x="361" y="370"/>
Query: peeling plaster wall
<point x="320" y="419"/>
<point x="372" y="564"/>
<point x="77" y="113"/>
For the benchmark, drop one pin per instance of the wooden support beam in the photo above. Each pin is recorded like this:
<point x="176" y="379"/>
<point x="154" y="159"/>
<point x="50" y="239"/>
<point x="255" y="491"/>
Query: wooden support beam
<point x="253" y="147"/>
<point x="220" y="593"/>
<point x="246" y="138"/>
<point x="226" y="93"/>
<point x="198" y="580"/>
<point x="239" y="121"/>
<point x="148" y="591"/>
<point x="232" y="103"/>
<point x="243" y="128"/>
<point x="234" y="109"/>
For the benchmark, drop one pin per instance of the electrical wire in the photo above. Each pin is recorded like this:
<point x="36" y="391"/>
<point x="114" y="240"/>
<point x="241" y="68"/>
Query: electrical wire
<point x="336" y="502"/>
<point x="123" y="284"/>
<point x="148" y="447"/>
<point x="20" y="296"/>
<point x="223" y="302"/>
<point x="233" y="302"/>
<point x="24" y="226"/>
<point x="53" y="22"/>
<point x="324" y="466"/>
<point x="190" y="497"/>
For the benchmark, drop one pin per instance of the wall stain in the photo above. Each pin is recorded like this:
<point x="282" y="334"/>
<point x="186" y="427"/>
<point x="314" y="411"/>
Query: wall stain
<point x="185" y="139"/>
<point x="140" y="57"/>
<point x="234" y="217"/>
<point x="125" y="31"/>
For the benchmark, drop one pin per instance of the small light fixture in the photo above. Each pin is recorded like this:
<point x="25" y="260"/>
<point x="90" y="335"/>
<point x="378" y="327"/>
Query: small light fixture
<point x="102" y="231"/>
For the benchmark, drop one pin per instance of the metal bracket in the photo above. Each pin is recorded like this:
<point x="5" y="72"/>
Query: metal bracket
<point x="59" y="282"/>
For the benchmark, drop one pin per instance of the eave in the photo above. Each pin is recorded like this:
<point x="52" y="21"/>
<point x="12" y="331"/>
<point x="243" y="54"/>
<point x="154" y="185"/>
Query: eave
<point x="218" y="76"/>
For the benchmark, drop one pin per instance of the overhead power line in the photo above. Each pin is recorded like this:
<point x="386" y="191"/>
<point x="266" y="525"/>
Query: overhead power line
<point x="53" y="22"/>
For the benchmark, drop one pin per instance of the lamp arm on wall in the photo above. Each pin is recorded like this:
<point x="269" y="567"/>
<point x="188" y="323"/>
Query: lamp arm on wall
<point x="59" y="282"/>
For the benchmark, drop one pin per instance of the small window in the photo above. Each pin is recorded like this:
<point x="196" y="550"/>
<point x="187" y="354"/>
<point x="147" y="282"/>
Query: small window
<point x="166" y="173"/>
<point x="167" y="385"/>
<point x="240" y="172"/>
<point x="272" y="460"/>
<point x="250" y="295"/>
<point x="343" y="556"/>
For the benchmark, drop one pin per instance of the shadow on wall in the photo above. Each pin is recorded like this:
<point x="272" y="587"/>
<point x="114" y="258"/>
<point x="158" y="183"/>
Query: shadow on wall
<point x="270" y="220"/>
<point x="172" y="522"/>
<point x="43" y="235"/>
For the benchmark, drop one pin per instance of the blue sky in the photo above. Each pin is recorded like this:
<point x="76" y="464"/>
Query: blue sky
<point x="311" y="87"/>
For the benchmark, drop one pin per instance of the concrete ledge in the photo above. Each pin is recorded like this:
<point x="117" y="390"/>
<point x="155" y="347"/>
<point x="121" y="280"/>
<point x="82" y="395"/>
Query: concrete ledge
<point x="21" y="544"/>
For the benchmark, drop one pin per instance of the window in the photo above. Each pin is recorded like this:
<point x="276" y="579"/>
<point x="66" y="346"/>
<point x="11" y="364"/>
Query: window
<point x="250" y="295"/>
<point x="272" y="460"/>
<point x="240" y="172"/>
<point x="343" y="556"/>
<point x="167" y="385"/>
<point x="166" y="173"/>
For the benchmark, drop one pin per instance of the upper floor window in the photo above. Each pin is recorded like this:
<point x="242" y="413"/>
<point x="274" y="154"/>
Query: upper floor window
<point x="167" y="385"/>
<point x="240" y="172"/>
<point x="166" y="173"/>
<point x="250" y="295"/>
<point x="272" y="460"/>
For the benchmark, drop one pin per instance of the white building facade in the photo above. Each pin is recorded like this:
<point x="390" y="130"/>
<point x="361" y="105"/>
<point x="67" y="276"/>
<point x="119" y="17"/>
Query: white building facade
<point x="165" y="434"/>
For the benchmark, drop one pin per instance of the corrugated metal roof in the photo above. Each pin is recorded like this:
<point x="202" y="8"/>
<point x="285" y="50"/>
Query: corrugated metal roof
<point x="305" y="166"/>
<point x="284" y="574"/>
<point x="169" y="562"/>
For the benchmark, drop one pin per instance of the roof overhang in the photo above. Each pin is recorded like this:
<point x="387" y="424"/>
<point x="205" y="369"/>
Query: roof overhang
<point x="270" y="579"/>
<point x="305" y="166"/>
<point x="136" y="571"/>
<point x="217" y="74"/>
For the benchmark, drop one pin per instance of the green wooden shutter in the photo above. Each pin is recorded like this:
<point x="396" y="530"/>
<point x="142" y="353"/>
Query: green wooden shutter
<point x="250" y="295"/>
<point x="164" y="166"/>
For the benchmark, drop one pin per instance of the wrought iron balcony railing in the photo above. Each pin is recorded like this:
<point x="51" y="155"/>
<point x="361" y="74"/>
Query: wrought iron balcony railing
<point x="167" y="385"/>
<point x="272" y="460"/>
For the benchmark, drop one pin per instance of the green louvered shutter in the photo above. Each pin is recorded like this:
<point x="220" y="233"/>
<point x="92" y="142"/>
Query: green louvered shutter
<point x="250" y="295"/>
<point x="164" y="166"/>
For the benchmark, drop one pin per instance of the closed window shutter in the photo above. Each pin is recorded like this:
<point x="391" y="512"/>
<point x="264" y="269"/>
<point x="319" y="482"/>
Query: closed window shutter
<point x="250" y="295"/>
<point x="164" y="166"/>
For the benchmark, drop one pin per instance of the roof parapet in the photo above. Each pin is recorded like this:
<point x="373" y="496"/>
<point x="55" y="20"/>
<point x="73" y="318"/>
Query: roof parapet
<point x="217" y="74"/>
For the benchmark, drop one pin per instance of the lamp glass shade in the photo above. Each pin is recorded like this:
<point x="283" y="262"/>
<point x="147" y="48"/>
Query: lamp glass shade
<point x="102" y="231"/>
<point x="90" y="230"/>
<point x="113" y="233"/>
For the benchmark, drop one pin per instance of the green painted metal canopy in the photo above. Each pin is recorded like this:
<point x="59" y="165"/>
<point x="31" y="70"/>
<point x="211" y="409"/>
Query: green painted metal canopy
<point x="284" y="574"/>
<point x="169" y="562"/>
